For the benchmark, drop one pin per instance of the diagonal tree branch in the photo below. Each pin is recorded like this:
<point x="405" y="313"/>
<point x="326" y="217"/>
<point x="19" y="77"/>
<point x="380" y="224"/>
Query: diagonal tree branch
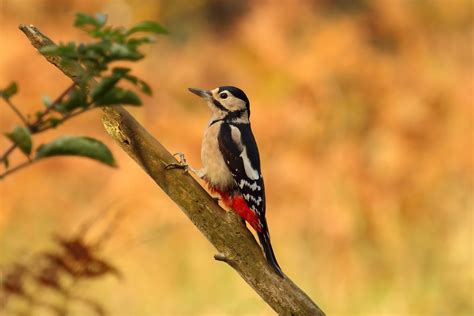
<point x="234" y="243"/>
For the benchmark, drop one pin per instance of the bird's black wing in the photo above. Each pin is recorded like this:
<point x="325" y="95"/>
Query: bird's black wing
<point x="240" y="152"/>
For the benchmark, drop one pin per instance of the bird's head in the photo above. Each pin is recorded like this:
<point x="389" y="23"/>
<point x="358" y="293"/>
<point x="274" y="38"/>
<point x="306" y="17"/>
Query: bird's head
<point x="226" y="102"/>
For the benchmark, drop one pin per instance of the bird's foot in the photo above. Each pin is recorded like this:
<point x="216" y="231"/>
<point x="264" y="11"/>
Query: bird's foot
<point x="181" y="164"/>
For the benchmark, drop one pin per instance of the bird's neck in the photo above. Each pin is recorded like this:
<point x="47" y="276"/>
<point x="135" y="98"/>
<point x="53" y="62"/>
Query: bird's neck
<point x="236" y="117"/>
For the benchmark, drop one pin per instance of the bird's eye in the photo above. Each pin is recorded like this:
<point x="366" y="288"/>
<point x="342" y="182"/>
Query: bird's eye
<point x="223" y="95"/>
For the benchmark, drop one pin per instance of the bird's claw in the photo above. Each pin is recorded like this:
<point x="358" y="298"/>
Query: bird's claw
<point x="181" y="164"/>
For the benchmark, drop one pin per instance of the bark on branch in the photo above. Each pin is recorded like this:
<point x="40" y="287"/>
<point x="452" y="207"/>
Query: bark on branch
<point x="234" y="243"/>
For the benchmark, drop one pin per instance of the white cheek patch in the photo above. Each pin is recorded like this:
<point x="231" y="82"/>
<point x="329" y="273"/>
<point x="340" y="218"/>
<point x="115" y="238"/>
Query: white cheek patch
<point x="249" y="170"/>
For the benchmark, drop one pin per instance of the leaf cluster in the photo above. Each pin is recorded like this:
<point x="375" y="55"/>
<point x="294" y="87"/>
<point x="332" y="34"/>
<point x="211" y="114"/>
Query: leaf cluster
<point x="97" y="59"/>
<point x="111" y="44"/>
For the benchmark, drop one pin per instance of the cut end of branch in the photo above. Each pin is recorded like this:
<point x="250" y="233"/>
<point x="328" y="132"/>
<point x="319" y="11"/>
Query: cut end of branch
<point x="221" y="257"/>
<point x="35" y="36"/>
<point x="39" y="40"/>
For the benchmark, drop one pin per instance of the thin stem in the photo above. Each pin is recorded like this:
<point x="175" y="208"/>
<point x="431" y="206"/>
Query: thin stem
<point x="30" y="161"/>
<point x="16" y="168"/>
<point x="17" y="112"/>
<point x="8" y="152"/>
<point x="64" y="119"/>
<point x="36" y="131"/>
<point x="35" y="126"/>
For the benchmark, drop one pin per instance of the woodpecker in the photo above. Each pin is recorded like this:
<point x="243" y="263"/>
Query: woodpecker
<point x="231" y="161"/>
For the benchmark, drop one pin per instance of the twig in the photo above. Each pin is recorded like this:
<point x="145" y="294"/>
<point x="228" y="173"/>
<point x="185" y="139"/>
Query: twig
<point x="223" y="229"/>
<point x="16" y="168"/>
<point x="35" y="127"/>
<point x="64" y="119"/>
<point x="17" y="112"/>
<point x="8" y="152"/>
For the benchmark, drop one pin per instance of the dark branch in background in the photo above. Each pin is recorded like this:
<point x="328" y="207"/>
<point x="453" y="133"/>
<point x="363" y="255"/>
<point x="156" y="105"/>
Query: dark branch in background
<point x="234" y="243"/>
<point x="49" y="280"/>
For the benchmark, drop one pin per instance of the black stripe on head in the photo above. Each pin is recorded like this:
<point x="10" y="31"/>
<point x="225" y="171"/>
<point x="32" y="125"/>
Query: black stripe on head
<point x="218" y="105"/>
<point x="236" y="92"/>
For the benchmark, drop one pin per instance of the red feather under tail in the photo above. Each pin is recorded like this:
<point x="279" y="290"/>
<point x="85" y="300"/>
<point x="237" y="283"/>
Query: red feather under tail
<point x="237" y="203"/>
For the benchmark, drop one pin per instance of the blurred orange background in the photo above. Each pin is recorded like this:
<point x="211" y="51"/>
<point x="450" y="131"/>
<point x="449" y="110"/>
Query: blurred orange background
<point x="363" y="113"/>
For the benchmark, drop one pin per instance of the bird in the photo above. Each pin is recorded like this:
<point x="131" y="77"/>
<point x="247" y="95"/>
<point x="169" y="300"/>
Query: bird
<point x="231" y="161"/>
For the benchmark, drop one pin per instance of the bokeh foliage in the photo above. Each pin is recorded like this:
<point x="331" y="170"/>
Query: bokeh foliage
<point x="371" y="100"/>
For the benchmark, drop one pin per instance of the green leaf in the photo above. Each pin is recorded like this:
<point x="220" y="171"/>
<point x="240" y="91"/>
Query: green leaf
<point x="104" y="86"/>
<point x="46" y="101"/>
<point x="77" y="146"/>
<point x="9" y="91"/>
<point x="148" y="26"/>
<point x="121" y="71"/>
<point x="124" y="52"/>
<point x="76" y="98"/>
<point x="54" y="121"/>
<point x="85" y="20"/>
<point x="21" y="137"/>
<point x="140" y="40"/>
<point x="101" y="18"/>
<point x="142" y="85"/>
<point x="118" y="95"/>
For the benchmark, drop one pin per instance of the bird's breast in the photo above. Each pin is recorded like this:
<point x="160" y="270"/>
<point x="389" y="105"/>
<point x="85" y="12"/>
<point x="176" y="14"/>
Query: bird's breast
<point x="216" y="171"/>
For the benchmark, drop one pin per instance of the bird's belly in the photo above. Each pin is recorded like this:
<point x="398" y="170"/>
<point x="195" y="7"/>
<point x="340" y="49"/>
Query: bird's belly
<point x="215" y="169"/>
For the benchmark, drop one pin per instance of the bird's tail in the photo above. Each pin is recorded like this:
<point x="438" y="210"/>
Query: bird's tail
<point x="264" y="237"/>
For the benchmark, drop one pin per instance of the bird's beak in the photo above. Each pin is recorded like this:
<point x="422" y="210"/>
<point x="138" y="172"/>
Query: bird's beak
<point x="202" y="93"/>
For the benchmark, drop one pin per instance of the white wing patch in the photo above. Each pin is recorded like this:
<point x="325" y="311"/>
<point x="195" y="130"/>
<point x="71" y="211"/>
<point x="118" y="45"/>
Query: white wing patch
<point x="249" y="170"/>
<point x="237" y="138"/>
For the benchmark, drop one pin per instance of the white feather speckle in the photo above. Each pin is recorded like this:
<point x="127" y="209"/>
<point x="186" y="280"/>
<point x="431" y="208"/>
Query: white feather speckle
<point x="249" y="197"/>
<point x="254" y="186"/>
